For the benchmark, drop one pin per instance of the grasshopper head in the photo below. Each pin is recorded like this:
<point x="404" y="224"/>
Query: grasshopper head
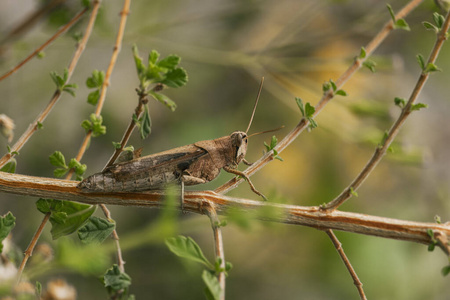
<point x="239" y="143"/>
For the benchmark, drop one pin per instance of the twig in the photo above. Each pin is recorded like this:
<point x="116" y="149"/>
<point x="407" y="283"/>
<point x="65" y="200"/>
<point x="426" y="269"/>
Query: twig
<point x="380" y="151"/>
<point x="311" y="216"/>
<point x="29" y="251"/>
<point x="33" y="127"/>
<point x="29" y="132"/>
<point x="337" y="244"/>
<point x="116" y="50"/>
<point x="48" y="42"/>
<point x="218" y="246"/>
<point x="126" y="136"/>
<point x="29" y="21"/>
<point x="291" y="136"/>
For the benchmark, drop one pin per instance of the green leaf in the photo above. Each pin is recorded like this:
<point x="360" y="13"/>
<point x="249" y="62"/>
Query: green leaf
<point x="96" y="230"/>
<point x="7" y="223"/>
<point x="326" y="86"/>
<point x="362" y="53"/>
<point x="333" y="85"/>
<point x="66" y="216"/>
<point x="141" y="69"/>
<point x="117" y="145"/>
<point x="93" y="97"/>
<point x="169" y="62"/>
<point x="212" y="289"/>
<point x="57" y="159"/>
<point x="312" y="123"/>
<point x="429" y="26"/>
<point x="57" y="79"/>
<point x="432" y="68"/>
<point x="96" y="80"/>
<point x="186" y="247"/>
<point x="391" y="12"/>
<point x="115" y="279"/>
<point x="164" y="100"/>
<point x="70" y="90"/>
<point x="94" y="125"/>
<point x="300" y="105"/>
<point x="353" y="192"/>
<point x="153" y="57"/>
<point x="60" y="172"/>
<point x="10" y="166"/>
<point x="175" y="78"/>
<point x="400" y="102"/>
<point x="401" y="24"/>
<point x="309" y="110"/>
<point x="438" y="19"/>
<point x="341" y="93"/>
<point x="445" y="270"/>
<point x="421" y="61"/>
<point x="418" y="106"/>
<point x="77" y="166"/>
<point x="370" y="64"/>
<point x="146" y="124"/>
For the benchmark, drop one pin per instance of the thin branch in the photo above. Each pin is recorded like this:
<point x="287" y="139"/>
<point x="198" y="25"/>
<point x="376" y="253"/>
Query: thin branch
<point x="29" y="21"/>
<point x="26" y="135"/>
<point x="116" y="50"/>
<point x="29" y="251"/>
<point x="291" y="136"/>
<point x="48" y="42"/>
<point x="380" y="151"/>
<point x="126" y="136"/>
<point x="337" y="244"/>
<point x="311" y="216"/>
<point x="218" y="246"/>
<point x="33" y="127"/>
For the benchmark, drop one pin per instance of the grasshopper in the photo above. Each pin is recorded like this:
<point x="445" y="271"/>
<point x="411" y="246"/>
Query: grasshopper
<point x="192" y="164"/>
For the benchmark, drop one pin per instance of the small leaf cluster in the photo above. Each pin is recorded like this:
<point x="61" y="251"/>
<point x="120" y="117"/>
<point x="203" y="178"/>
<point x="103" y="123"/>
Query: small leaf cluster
<point x="94" y="124"/>
<point x="61" y="82"/>
<point x="187" y="248"/>
<point x="7" y="223"/>
<point x="307" y="111"/>
<point x="117" y="283"/>
<point x="397" y="23"/>
<point x="153" y="77"/>
<point x="95" y="82"/>
<point x="427" y="68"/>
<point x="438" y="23"/>
<point x="58" y="160"/>
<point x="331" y="86"/>
<point x="271" y="147"/>
<point x="445" y="270"/>
<point x="159" y="72"/>
<point x="368" y="63"/>
<point x="401" y="102"/>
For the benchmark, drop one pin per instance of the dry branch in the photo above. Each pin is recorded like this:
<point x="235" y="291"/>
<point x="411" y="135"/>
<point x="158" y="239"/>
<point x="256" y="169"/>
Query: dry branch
<point x="311" y="216"/>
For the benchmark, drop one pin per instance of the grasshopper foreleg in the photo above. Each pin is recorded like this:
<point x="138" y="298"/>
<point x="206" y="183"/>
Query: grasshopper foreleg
<point x="246" y="162"/>
<point x="243" y="175"/>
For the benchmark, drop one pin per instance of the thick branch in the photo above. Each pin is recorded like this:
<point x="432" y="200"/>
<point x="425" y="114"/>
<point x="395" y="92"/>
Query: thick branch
<point x="311" y="216"/>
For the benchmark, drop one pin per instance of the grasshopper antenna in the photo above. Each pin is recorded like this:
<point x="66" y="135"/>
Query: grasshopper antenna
<point x="266" y="131"/>
<point x="256" y="103"/>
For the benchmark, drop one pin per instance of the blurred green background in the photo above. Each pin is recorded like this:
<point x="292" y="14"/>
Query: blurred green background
<point x="226" y="47"/>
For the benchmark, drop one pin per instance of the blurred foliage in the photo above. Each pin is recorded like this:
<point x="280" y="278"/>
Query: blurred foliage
<point x="227" y="46"/>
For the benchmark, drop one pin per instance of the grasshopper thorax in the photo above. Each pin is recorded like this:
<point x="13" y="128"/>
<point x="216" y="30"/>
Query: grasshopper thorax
<point x="239" y="143"/>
